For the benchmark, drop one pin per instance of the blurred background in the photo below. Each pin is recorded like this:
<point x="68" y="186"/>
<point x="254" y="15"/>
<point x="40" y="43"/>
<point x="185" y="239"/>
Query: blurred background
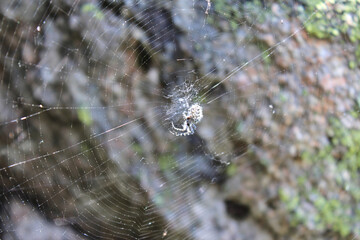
<point x="90" y="91"/>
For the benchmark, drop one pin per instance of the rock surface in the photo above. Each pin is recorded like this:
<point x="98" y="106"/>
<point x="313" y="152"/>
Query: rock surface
<point x="97" y="156"/>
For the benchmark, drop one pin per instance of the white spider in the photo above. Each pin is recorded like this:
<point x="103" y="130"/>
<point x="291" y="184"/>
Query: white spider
<point x="191" y="116"/>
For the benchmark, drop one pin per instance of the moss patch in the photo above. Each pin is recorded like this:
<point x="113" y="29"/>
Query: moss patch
<point x="236" y="13"/>
<point x="84" y="116"/>
<point x="326" y="196"/>
<point x="333" y="18"/>
<point x="92" y="9"/>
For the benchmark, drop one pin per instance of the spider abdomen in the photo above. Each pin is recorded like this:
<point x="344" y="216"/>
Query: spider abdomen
<point x="191" y="116"/>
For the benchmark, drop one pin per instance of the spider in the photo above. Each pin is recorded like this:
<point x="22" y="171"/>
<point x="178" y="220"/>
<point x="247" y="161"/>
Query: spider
<point x="191" y="116"/>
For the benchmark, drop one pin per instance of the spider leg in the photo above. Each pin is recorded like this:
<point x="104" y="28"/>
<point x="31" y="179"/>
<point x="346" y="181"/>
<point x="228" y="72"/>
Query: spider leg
<point x="192" y="128"/>
<point x="183" y="129"/>
<point x="182" y="134"/>
<point x="186" y="104"/>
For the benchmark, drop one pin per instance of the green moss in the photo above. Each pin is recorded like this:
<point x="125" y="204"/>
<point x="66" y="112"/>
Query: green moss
<point x="323" y="19"/>
<point x="292" y="201"/>
<point x="332" y="18"/>
<point x="138" y="149"/>
<point x="352" y="64"/>
<point x="231" y="170"/>
<point x="305" y="93"/>
<point x="283" y="98"/>
<point x="301" y="181"/>
<point x="84" y="116"/>
<point x="93" y="9"/>
<point x="284" y="195"/>
<point x="266" y="54"/>
<point x="167" y="162"/>
<point x="337" y="165"/>
<point x="240" y="127"/>
<point x="234" y="12"/>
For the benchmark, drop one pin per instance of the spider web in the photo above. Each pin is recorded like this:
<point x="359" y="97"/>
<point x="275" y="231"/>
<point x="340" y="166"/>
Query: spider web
<point x="88" y="93"/>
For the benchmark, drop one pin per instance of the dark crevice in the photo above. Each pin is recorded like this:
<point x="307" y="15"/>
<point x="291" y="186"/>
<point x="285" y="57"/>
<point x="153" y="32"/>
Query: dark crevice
<point x="114" y="7"/>
<point x="143" y="57"/>
<point x="240" y="147"/>
<point x="237" y="210"/>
